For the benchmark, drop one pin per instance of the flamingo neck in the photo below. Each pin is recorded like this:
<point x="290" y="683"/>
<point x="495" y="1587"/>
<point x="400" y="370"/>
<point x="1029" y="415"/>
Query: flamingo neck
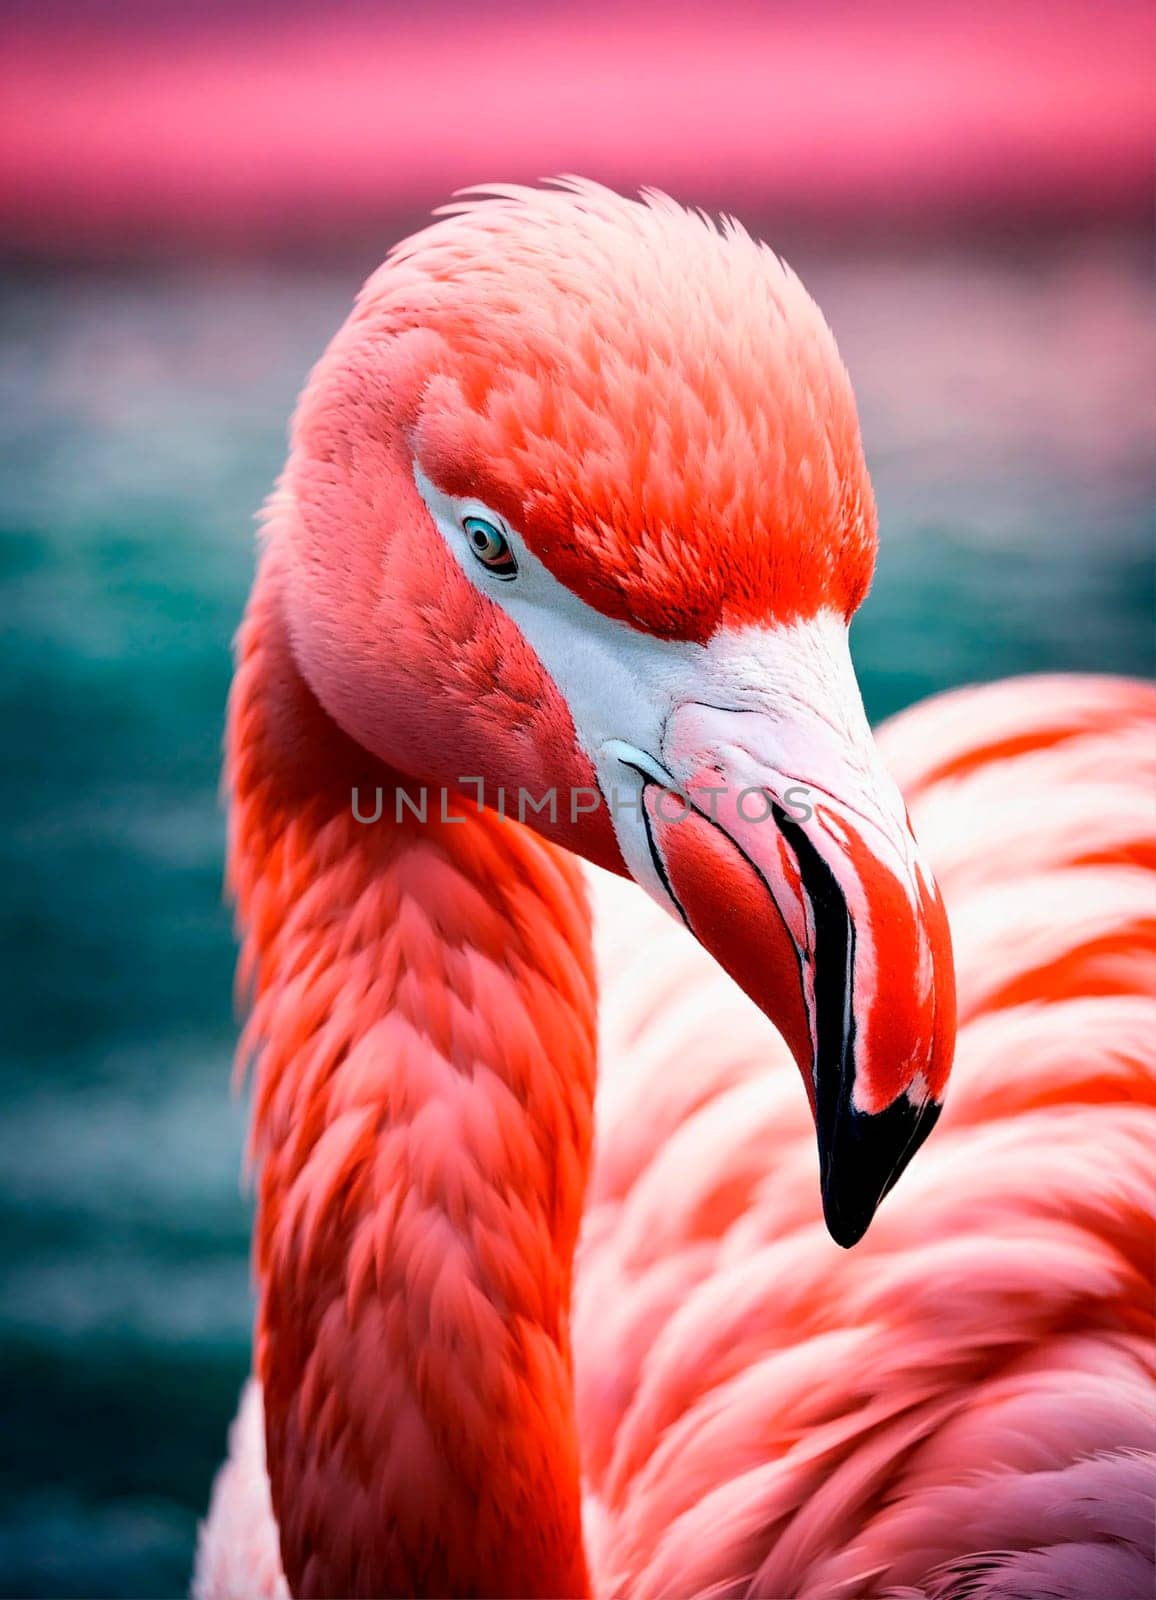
<point x="424" y="1032"/>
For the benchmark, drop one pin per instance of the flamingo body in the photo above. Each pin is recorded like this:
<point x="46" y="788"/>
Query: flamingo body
<point x="547" y="1304"/>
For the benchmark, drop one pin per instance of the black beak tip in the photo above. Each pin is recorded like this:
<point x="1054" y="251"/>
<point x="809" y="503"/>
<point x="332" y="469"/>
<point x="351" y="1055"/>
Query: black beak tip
<point x="861" y="1157"/>
<point x="845" y="1224"/>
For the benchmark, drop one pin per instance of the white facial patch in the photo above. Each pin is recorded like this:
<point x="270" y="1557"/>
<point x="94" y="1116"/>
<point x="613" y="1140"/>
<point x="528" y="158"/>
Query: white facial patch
<point x="618" y="683"/>
<point x="621" y="686"/>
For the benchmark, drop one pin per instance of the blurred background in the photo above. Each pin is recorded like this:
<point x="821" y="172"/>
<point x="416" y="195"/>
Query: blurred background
<point x="189" y="198"/>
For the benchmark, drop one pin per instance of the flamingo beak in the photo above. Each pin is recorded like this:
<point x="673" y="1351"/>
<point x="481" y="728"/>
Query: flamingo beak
<point x="787" y="850"/>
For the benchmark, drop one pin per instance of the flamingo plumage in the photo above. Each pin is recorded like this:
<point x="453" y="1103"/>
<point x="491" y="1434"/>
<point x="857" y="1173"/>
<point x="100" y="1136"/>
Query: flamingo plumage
<point x="576" y="504"/>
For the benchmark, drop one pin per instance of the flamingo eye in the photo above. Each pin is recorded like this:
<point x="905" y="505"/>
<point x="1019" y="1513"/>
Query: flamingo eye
<point x="491" y="547"/>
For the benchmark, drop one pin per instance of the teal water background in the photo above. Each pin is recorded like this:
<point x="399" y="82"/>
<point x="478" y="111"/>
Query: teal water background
<point x="1007" y="404"/>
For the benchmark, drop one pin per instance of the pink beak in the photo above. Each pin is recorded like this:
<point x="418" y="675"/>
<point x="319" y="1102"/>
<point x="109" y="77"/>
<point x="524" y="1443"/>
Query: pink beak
<point x="789" y="854"/>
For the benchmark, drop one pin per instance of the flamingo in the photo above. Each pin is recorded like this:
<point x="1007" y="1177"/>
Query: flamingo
<point x="554" y="1296"/>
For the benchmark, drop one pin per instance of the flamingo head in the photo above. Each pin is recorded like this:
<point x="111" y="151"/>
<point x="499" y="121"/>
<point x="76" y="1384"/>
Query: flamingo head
<point x="577" y="517"/>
